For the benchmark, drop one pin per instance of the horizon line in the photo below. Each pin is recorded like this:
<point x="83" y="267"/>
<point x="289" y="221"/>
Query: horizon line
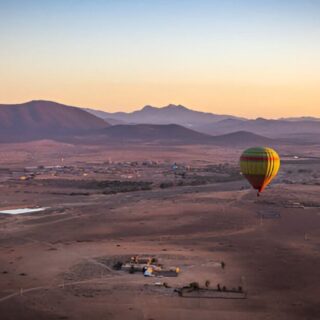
<point x="161" y="107"/>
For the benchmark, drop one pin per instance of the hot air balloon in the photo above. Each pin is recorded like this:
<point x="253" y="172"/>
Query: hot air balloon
<point x="259" y="165"/>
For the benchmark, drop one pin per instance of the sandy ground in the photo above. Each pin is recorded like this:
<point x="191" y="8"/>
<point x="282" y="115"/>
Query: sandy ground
<point x="52" y="263"/>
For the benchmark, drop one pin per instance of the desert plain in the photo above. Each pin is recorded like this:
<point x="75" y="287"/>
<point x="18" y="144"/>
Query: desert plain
<point x="108" y="203"/>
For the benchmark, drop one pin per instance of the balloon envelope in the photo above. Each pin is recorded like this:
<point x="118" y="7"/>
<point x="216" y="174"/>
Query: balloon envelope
<point x="259" y="165"/>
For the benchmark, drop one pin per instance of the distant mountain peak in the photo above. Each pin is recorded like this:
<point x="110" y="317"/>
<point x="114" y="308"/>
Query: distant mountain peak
<point x="39" y="119"/>
<point x="261" y="119"/>
<point x="46" y="102"/>
<point x="169" y="106"/>
<point x="175" y="106"/>
<point x="148" y="107"/>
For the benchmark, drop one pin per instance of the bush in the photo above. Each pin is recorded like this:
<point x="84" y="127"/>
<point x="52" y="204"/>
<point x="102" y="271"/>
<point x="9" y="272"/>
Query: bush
<point x="166" y="184"/>
<point x="194" y="285"/>
<point x="117" y="265"/>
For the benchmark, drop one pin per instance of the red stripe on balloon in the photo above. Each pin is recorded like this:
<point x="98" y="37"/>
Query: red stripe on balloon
<point x="253" y="158"/>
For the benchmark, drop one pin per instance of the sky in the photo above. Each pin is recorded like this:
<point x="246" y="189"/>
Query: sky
<point x="252" y="58"/>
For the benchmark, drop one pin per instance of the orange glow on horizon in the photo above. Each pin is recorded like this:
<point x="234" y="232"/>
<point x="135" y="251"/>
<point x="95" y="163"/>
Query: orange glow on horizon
<point x="242" y="100"/>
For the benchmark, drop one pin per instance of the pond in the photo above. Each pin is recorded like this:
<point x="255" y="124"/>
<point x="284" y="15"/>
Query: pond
<point x="23" y="210"/>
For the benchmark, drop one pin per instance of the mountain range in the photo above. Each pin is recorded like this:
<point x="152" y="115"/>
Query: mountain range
<point x="40" y="119"/>
<point x="171" y="113"/>
<point x="44" y="119"/>
<point x="176" y="134"/>
<point x="267" y="127"/>
<point x="303" y="128"/>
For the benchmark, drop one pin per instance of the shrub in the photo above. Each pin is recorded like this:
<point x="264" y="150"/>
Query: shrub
<point x="194" y="285"/>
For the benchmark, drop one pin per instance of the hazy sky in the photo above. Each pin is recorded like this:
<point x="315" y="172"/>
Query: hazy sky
<point x="249" y="58"/>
